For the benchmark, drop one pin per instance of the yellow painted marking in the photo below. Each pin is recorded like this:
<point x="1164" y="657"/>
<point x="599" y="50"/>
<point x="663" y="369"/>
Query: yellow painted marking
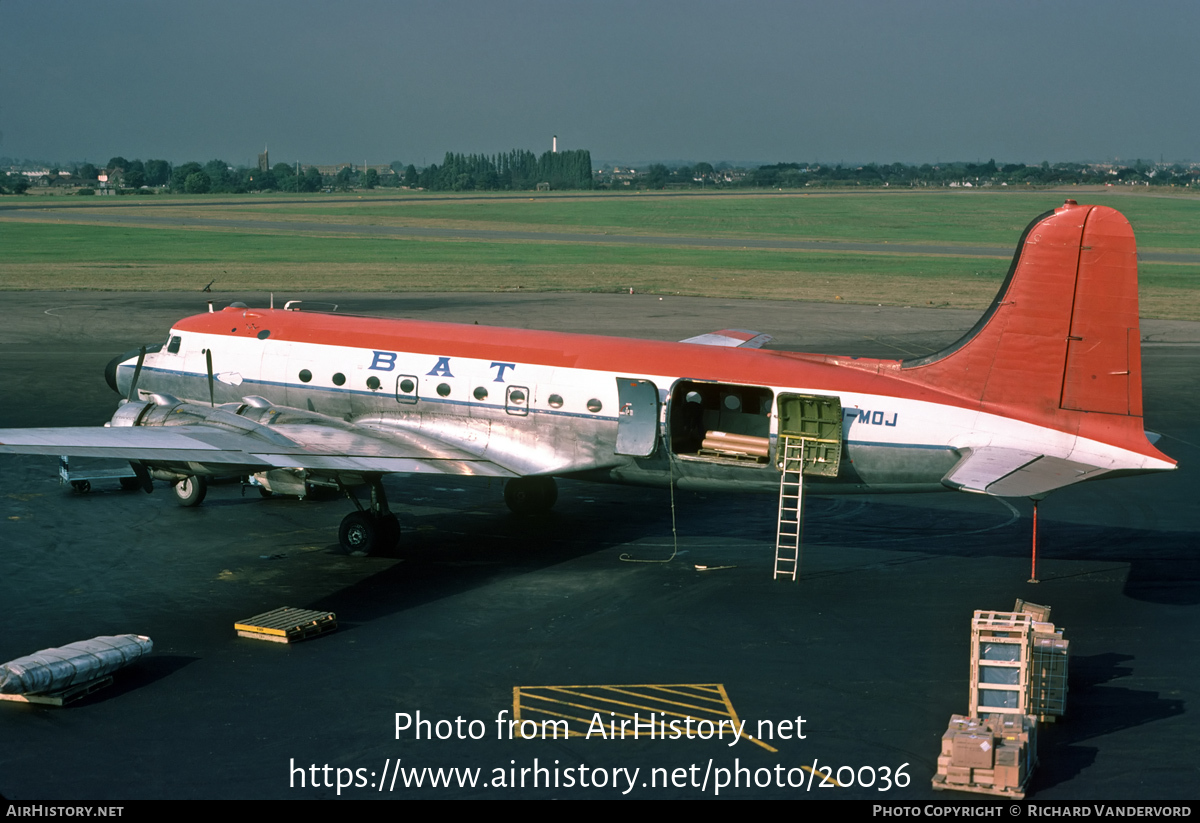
<point x="634" y="706"/>
<point x="619" y="690"/>
<point x="247" y="627"/>
<point x="733" y="714"/>
<point x="685" y="694"/>
<point x="529" y="700"/>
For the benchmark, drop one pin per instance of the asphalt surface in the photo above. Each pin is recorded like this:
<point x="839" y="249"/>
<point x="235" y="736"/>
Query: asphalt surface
<point x="870" y="648"/>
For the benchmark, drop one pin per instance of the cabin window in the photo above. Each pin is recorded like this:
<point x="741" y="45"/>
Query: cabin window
<point x="555" y="401"/>
<point x="339" y="379"/>
<point x="594" y="405"/>
<point x="173" y="346"/>
<point x="373" y="383"/>
<point x="443" y="389"/>
<point x="305" y="375"/>
<point x="481" y="393"/>
<point x="516" y="400"/>
<point x="406" y="389"/>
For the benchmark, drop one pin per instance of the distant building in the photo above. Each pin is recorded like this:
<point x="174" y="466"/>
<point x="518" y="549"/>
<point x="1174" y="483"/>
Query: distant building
<point x="264" y="162"/>
<point x="382" y="168"/>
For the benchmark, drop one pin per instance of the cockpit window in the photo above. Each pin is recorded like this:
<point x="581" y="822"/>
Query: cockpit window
<point x="173" y="346"/>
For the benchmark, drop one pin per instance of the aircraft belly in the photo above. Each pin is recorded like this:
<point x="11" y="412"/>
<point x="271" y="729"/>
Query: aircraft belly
<point x="886" y="467"/>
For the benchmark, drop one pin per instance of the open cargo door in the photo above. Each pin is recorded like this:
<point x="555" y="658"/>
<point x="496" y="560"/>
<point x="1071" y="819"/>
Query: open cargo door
<point x="816" y="420"/>
<point x="637" y="417"/>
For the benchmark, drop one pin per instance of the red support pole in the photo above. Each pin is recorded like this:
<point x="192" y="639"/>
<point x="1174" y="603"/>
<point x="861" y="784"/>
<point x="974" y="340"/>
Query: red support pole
<point x="1033" y="568"/>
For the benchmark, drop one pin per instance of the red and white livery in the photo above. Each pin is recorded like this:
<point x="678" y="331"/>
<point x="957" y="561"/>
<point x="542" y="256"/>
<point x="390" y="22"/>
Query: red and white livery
<point x="1045" y="391"/>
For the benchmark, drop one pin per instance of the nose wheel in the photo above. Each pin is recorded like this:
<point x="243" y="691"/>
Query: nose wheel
<point x="369" y="531"/>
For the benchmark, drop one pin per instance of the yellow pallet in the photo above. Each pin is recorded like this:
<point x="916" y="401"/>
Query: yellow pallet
<point x="286" y="625"/>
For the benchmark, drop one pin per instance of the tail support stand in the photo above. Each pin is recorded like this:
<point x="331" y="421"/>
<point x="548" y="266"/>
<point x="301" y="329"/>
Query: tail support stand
<point x="1033" y="578"/>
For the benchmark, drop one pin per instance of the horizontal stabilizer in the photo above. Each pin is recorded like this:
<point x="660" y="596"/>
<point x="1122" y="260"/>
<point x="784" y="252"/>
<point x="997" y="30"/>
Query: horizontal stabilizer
<point x="1015" y="473"/>
<point x="731" y="338"/>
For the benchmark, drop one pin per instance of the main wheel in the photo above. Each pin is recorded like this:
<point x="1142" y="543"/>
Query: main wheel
<point x="530" y="495"/>
<point x="81" y="486"/>
<point x="190" y="490"/>
<point x="359" y="532"/>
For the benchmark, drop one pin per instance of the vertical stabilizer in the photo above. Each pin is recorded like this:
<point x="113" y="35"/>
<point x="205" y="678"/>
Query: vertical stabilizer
<point x="1059" y="345"/>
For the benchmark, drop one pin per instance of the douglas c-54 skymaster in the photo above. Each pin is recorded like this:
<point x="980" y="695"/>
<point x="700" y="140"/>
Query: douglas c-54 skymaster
<point x="1045" y="391"/>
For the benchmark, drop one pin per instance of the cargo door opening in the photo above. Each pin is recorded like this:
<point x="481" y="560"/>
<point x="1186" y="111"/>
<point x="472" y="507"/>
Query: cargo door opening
<point x="721" y="422"/>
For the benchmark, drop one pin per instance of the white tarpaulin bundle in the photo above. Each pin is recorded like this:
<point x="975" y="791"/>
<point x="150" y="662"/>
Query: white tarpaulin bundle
<point x="53" y="670"/>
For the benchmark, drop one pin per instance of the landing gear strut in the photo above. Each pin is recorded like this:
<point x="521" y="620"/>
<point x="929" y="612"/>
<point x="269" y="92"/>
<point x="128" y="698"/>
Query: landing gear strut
<point x="530" y="495"/>
<point x="366" y="531"/>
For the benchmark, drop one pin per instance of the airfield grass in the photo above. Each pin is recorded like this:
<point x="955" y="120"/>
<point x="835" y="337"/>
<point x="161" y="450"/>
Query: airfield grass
<point x="61" y="255"/>
<point x="992" y="218"/>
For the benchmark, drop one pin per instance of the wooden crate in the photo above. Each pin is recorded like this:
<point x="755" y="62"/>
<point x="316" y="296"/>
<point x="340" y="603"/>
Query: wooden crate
<point x="1048" y="676"/>
<point x="1000" y="658"/>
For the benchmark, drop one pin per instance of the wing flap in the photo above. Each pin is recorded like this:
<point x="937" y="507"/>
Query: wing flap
<point x="1004" y="472"/>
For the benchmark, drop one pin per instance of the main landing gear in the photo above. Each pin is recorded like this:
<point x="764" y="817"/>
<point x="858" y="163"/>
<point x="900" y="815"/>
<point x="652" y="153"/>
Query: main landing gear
<point x="190" y="491"/>
<point x="530" y="495"/>
<point x="366" y="531"/>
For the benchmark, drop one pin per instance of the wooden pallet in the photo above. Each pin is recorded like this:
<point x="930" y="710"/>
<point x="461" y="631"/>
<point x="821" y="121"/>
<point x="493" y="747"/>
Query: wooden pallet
<point x="286" y="625"/>
<point x="61" y="698"/>
<point x="733" y="456"/>
<point x="940" y="784"/>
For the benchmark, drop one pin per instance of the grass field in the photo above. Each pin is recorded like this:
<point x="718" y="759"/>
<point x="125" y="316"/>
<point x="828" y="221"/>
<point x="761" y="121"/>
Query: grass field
<point x="243" y="254"/>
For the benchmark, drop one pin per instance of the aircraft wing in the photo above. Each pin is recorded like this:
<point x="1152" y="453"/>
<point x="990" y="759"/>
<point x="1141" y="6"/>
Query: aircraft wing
<point x="299" y="446"/>
<point x="1005" y="472"/>
<point x="731" y="338"/>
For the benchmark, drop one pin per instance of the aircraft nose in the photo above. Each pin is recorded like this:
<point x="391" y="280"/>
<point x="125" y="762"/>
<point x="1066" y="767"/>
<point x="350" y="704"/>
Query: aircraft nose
<point x="110" y="371"/>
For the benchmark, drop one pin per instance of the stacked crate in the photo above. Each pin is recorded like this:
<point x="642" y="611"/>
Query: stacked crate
<point x="1018" y="676"/>
<point x="994" y="754"/>
<point x="1050" y="653"/>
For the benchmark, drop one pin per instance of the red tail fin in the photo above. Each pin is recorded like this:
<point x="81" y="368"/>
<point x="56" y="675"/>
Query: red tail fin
<point x="1060" y="344"/>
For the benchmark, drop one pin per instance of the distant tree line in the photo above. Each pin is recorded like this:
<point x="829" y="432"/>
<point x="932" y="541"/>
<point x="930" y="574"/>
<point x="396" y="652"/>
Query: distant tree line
<point x="520" y="170"/>
<point x="802" y="175"/>
<point x="515" y="170"/>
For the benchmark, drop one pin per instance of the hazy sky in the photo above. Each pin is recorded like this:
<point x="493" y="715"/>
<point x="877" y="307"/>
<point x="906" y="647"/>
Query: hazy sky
<point x="373" y="81"/>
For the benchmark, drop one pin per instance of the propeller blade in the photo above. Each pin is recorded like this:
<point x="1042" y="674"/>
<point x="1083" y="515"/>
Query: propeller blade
<point x="143" y="475"/>
<point x="137" y="373"/>
<point x="208" y="360"/>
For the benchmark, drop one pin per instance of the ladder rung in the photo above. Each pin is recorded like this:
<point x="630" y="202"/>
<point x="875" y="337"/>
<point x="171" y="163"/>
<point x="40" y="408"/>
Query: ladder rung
<point x="791" y="498"/>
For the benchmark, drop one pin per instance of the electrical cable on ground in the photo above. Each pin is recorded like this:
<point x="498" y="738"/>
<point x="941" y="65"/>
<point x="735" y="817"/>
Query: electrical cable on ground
<point x="628" y="558"/>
